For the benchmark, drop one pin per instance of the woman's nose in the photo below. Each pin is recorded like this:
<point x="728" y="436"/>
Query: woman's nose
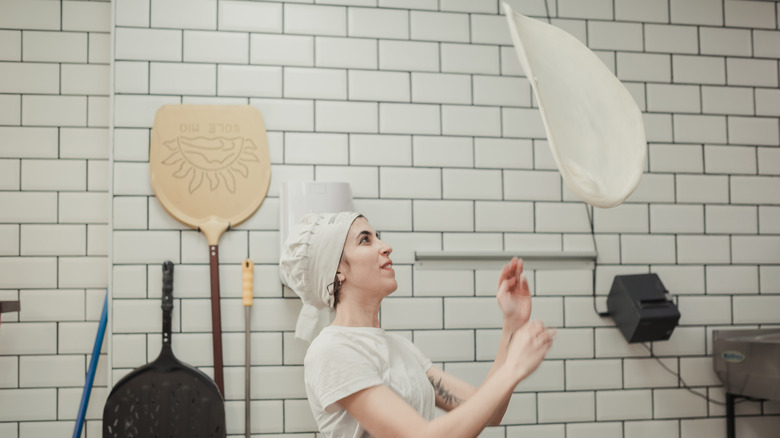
<point x="386" y="249"/>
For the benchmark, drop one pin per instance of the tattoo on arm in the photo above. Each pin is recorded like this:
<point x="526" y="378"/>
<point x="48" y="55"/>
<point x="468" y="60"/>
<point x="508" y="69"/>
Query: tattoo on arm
<point x="445" y="394"/>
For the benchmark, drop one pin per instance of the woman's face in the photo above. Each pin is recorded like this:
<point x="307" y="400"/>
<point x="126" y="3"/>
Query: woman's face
<point x="365" y="264"/>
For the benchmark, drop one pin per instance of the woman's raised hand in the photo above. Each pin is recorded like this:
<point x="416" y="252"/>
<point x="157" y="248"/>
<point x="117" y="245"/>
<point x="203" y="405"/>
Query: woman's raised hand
<point x="528" y="347"/>
<point x="514" y="296"/>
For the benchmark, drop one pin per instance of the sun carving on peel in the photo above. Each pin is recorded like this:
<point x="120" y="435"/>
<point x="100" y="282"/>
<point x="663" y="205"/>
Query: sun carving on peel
<point x="210" y="161"/>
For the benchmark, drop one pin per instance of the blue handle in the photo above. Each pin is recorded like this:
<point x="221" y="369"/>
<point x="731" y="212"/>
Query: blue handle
<point x="91" y="372"/>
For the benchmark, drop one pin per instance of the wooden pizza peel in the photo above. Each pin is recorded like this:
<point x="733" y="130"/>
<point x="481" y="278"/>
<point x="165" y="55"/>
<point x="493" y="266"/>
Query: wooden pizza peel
<point x="210" y="169"/>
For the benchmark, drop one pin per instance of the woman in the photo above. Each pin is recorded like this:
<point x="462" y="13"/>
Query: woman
<point x="363" y="381"/>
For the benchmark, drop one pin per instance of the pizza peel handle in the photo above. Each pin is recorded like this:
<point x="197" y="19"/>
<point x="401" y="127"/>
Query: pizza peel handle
<point x="210" y="169"/>
<point x="248" y="279"/>
<point x="167" y="308"/>
<point x="165" y="398"/>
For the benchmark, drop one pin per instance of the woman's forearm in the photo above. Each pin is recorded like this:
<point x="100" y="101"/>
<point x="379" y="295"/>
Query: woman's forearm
<point x="506" y="335"/>
<point x="471" y="417"/>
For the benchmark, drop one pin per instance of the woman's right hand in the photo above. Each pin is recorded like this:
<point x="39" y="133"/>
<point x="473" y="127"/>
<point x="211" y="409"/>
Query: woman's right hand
<point x="528" y="347"/>
<point x="514" y="295"/>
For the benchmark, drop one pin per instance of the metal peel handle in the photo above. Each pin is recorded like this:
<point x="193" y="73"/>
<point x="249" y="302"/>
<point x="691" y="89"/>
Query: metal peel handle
<point x="248" y="276"/>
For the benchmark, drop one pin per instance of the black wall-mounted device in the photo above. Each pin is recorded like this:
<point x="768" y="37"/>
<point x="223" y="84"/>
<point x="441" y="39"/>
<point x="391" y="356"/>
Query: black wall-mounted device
<point x="641" y="308"/>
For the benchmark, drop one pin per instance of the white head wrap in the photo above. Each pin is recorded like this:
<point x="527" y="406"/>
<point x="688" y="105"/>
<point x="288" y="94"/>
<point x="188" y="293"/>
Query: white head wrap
<point x="308" y="265"/>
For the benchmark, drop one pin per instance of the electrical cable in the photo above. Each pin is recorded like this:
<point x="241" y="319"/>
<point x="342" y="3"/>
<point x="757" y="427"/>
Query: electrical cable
<point x="595" y="262"/>
<point x="587" y="208"/>
<point x="547" y="11"/>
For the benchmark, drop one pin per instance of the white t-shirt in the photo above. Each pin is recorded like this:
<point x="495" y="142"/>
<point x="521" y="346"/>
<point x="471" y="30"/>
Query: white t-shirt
<point x="344" y="360"/>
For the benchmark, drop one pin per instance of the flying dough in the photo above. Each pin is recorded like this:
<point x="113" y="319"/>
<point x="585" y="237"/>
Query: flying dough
<point x="594" y="127"/>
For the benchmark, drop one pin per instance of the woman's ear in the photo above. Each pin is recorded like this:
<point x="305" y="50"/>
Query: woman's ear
<point x="341" y="277"/>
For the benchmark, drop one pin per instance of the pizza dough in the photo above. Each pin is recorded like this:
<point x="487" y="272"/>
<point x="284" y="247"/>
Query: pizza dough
<point x="594" y="127"/>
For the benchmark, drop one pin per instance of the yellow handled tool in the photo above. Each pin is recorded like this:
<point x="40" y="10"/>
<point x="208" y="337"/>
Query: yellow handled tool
<point x="248" y="276"/>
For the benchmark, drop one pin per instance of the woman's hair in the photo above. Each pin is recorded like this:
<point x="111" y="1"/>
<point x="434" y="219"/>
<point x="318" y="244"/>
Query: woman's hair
<point x="334" y="289"/>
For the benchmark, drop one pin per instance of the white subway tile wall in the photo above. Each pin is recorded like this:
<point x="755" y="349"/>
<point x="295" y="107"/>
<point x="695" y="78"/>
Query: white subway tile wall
<point x="423" y="108"/>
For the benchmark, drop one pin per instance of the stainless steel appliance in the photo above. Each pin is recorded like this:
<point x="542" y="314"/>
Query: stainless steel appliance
<point x="748" y="364"/>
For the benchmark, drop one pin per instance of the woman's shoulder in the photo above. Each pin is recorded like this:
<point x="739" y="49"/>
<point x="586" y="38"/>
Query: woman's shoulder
<point x="335" y="337"/>
<point x="344" y="345"/>
<point x="326" y="339"/>
<point x="400" y="339"/>
<point x="336" y="333"/>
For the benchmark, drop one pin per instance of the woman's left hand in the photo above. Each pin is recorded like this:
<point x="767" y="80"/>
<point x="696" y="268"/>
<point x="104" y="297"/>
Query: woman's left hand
<point x="514" y="296"/>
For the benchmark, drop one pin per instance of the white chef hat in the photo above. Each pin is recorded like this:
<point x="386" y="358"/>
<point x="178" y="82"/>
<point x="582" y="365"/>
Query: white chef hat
<point x="308" y="265"/>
